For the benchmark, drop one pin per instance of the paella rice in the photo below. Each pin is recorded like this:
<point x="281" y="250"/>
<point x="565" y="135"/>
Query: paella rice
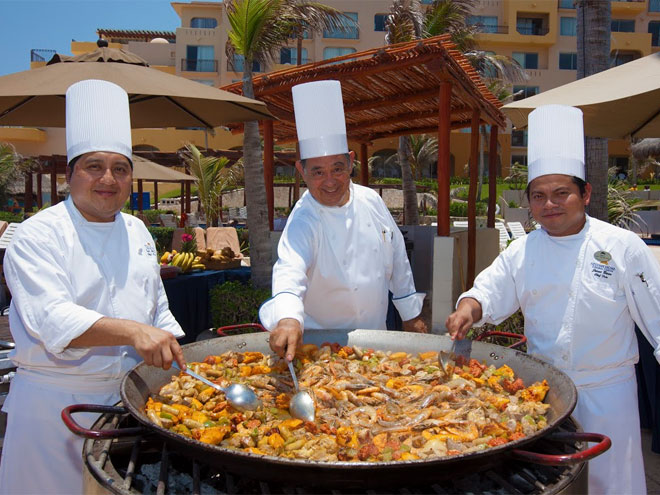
<point x="371" y="405"/>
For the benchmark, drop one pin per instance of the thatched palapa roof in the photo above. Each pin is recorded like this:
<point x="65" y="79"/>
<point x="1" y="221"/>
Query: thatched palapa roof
<point x="387" y="91"/>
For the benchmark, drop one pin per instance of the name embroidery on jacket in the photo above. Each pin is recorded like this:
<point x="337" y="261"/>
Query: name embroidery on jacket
<point x="602" y="270"/>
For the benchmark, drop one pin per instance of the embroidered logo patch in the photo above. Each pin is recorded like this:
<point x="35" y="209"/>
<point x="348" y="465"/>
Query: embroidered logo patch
<point x="149" y="248"/>
<point x="602" y="270"/>
<point x="603" y="256"/>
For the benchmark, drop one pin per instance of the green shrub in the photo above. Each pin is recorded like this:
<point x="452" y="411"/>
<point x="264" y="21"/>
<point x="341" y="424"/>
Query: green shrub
<point x="458" y="209"/>
<point x="233" y="303"/>
<point x="9" y="217"/>
<point x="162" y="237"/>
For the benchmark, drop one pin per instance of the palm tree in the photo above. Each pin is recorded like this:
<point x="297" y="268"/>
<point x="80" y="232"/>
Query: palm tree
<point x="13" y="167"/>
<point x="259" y="28"/>
<point x="408" y="21"/>
<point x="593" y="48"/>
<point x="213" y="177"/>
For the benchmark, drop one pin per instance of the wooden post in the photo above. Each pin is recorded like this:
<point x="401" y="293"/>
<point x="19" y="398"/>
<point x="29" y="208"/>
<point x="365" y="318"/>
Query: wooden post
<point x="181" y="200"/>
<point x="296" y="175"/>
<point x="27" y="202"/>
<point x="444" y="157"/>
<point x="268" y="170"/>
<point x="492" y="176"/>
<point x="472" y="199"/>
<point x="39" y="194"/>
<point x="156" y="194"/>
<point x="139" y="198"/>
<point x="54" y="198"/>
<point x="364" y="168"/>
<point x="188" y="196"/>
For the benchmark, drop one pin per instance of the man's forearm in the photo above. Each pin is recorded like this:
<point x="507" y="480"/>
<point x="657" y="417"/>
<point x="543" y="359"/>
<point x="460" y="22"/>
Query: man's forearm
<point x="106" y="332"/>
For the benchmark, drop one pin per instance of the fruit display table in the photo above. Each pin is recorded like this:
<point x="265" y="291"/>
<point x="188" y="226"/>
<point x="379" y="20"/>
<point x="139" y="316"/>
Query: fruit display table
<point x="189" y="297"/>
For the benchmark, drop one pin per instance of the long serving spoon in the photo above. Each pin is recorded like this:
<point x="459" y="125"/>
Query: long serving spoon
<point x="239" y="396"/>
<point x="302" y="404"/>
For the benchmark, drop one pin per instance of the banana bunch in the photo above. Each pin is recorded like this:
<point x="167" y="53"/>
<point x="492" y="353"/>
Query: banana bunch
<point x="185" y="261"/>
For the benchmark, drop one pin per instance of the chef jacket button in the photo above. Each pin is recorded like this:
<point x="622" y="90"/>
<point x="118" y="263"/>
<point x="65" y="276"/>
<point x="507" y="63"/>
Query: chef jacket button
<point x="565" y="357"/>
<point x="368" y="225"/>
<point x="534" y="291"/>
<point x="354" y="288"/>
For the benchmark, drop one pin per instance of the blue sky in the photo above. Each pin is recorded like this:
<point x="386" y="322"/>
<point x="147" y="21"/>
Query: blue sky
<point x="52" y="24"/>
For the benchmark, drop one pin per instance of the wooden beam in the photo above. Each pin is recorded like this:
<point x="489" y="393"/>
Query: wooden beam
<point x="181" y="200"/>
<point x="39" y="193"/>
<point x="268" y="170"/>
<point x="444" y="157"/>
<point x="472" y="199"/>
<point x="27" y="202"/>
<point x="381" y="102"/>
<point x="188" y="197"/>
<point x="364" y="164"/>
<point x="492" y="176"/>
<point x="156" y="194"/>
<point x="139" y="198"/>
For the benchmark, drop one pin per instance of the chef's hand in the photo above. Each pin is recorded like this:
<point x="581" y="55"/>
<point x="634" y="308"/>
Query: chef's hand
<point x="286" y="337"/>
<point x="417" y="325"/>
<point x="158" y="347"/>
<point x="460" y="321"/>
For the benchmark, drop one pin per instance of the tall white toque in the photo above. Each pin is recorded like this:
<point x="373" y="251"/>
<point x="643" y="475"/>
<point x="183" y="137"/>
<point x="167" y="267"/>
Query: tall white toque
<point x="97" y="119"/>
<point x="555" y="143"/>
<point x="320" y="121"/>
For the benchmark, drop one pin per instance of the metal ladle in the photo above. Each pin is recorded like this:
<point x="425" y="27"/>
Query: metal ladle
<point x="239" y="396"/>
<point x="302" y="404"/>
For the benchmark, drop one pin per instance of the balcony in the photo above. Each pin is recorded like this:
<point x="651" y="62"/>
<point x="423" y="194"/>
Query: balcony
<point x="638" y="42"/>
<point x="199" y="65"/>
<point x="633" y="7"/>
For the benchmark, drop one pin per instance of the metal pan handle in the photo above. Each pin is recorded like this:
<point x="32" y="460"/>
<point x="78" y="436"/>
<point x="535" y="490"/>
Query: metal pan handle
<point x="603" y="444"/>
<point x="221" y="331"/>
<point x="521" y="338"/>
<point x="97" y="408"/>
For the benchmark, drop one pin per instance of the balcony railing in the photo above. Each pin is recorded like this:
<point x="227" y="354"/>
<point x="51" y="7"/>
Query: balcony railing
<point x="532" y="31"/>
<point x="41" y="55"/>
<point x="490" y="29"/>
<point x="199" y="65"/>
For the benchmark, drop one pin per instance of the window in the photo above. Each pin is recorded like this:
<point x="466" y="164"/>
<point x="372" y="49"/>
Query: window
<point x="208" y="82"/>
<point x="379" y="22"/>
<point x="531" y="26"/>
<point x="519" y="138"/>
<point x="654" y="5"/>
<point x="568" y="26"/>
<point x="568" y="61"/>
<point x="485" y="23"/>
<point x="427" y="2"/>
<point x="566" y="4"/>
<point x="520" y="92"/>
<point x="350" y="31"/>
<point x="290" y="56"/>
<point x="200" y="58"/>
<point x="620" y="58"/>
<point x="336" y="51"/>
<point x="527" y="60"/>
<point x="623" y="26"/>
<point x="520" y="159"/>
<point x="203" y="22"/>
<point x="239" y="64"/>
<point x="654" y="29"/>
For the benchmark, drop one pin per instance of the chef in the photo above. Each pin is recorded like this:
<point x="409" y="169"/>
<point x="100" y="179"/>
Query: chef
<point x="87" y="299"/>
<point x="581" y="284"/>
<point x="341" y="250"/>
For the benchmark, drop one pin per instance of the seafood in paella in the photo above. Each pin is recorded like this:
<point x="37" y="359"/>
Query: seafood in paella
<point x="371" y="405"/>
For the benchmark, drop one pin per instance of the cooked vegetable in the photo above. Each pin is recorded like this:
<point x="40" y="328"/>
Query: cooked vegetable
<point x="371" y="405"/>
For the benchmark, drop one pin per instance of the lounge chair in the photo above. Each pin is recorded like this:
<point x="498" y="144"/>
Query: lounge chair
<point x="504" y="234"/>
<point x="7" y="235"/>
<point x="517" y="229"/>
<point x="220" y="237"/>
<point x="168" y="220"/>
<point x="199" y="237"/>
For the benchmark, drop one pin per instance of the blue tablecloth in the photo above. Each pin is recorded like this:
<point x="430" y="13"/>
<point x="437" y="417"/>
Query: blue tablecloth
<point x="189" y="297"/>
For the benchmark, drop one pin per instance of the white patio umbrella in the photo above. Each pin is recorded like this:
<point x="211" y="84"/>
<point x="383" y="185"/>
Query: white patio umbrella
<point x="619" y="102"/>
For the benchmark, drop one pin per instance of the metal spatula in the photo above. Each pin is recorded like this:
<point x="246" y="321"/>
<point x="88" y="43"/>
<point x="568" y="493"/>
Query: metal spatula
<point x="462" y="348"/>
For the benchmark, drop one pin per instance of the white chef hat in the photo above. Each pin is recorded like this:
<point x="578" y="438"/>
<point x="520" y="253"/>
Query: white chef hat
<point x="97" y="119"/>
<point x="320" y="121"/>
<point x="555" y="143"/>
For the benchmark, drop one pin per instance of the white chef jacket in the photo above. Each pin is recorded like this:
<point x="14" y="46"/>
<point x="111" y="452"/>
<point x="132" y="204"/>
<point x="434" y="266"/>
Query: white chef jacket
<point x="336" y="265"/>
<point x="580" y="296"/>
<point x="65" y="273"/>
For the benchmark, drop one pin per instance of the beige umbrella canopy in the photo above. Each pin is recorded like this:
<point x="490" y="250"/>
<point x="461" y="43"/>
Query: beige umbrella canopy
<point x="157" y="99"/>
<point x="144" y="169"/>
<point x="620" y="102"/>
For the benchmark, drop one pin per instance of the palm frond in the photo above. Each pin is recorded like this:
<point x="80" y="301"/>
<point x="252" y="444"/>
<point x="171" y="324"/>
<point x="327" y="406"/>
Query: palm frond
<point x="405" y="21"/>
